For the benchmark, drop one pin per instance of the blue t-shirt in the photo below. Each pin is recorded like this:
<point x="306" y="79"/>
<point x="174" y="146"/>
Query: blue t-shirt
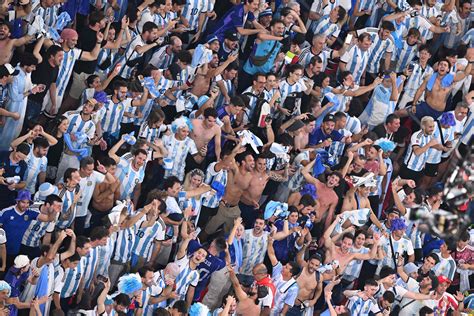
<point x="231" y="21"/>
<point x="7" y="197"/>
<point x="15" y="225"/>
<point x="206" y="268"/>
<point x="318" y="136"/>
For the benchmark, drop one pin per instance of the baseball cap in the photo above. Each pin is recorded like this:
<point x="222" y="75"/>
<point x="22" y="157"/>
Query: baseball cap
<point x="410" y="268"/>
<point x="232" y="36"/>
<point x="295" y="126"/>
<point x="8" y="70"/>
<point x="21" y="261"/>
<point x="443" y="279"/>
<point x="329" y="117"/>
<point x="23" y="195"/>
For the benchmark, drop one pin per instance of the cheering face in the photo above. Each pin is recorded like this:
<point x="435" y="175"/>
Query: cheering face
<point x="196" y="181"/>
<point x="259" y="226"/>
<point x="360" y="240"/>
<point x="442" y="287"/>
<point x="346" y="244"/>
<point x="249" y="163"/>
<point x="429" y="263"/>
<point x="333" y="181"/>
<point x="278" y="29"/>
<point x="328" y="127"/>
<point x="370" y="290"/>
<point x="147" y="280"/>
<point x="261" y="165"/>
<point x="239" y="231"/>
<point x="139" y="160"/>
<point x="199" y="256"/>
<point x="23" y="205"/>
<point x="428" y="128"/>
<point x="443" y="67"/>
<point x="4" y="32"/>
<point x="313" y="264"/>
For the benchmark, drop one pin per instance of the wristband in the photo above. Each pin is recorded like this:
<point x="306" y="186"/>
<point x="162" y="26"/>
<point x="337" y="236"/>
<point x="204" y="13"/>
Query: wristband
<point x="100" y="43"/>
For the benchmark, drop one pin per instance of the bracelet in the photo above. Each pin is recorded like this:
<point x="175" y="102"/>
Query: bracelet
<point x="100" y="43"/>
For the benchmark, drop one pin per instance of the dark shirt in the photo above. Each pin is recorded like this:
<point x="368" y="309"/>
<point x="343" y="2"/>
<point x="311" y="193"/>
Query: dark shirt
<point x="54" y="152"/>
<point x="318" y="136"/>
<point x="397" y="137"/>
<point x="44" y="74"/>
<point x="86" y="42"/>
<point x="7" y="197"/>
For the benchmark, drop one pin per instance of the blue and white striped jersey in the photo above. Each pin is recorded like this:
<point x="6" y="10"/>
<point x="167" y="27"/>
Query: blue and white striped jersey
<point x="161" y="59"/>
<point x="35" y="231"/>
<point x="468" y="38"/>
<point x="68" y="212"/>
<point x="114" y="114"/>
<point x="421" y="24"/>
<point x="156" y="291"/>
<point x="78" y="125"/>
<point x="130" y="54"/>
<point x="145" y="236"/>
<point x="306" y="54"/>
<point x="49" y="15"/>
<point x="186" y="277"/>
<point x="254" y="250"/>
<point x="412" y="161"/>
<point x="178" y="150"/>
<point x="128" y="177"/>
<point x="286" y="291"/>
<point x="452" y="39"/>
<point x="401" y="246"/>
<point x="65" y="70"/>
<point x="105" y="254"/>
<point x="354" y="267"/>
<point x="434" y="155"/>
<point x="356" y="61"/>
<point x="150" y="134"/>
<point x="36" y="165"/>
<point x="296" y="181"/>
<point x="378" y="49"/>
<point x="229" y="87"/>
<point x="72" y="278"/>
<point x="357" y="306"/>
<point x="212" y="175"/>
<point x="145" y="110"/>
<point x="122" y="248"/>
<point x="90" y="266"/>
<point x="417" y="77"/>
<point x="446" y="267"/>
<point x="191" y="12"/>
<point x="326" y="27"/>
<point x="404" y="56"/>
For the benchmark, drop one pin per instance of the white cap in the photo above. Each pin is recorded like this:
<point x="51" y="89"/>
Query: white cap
<point x="21" y="261"/>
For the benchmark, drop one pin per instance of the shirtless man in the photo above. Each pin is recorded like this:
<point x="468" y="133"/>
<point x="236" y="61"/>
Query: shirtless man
<point x="343" y="252"/>
<point x="7" y="44"/>
<point x="250" y="200"/>
<point x="246" y="301"/>
<point x="207" y="129"/>
<point x="310" y="283"/>
<point x="327" y="197"/>
<point x="238" y="181"/>
<point x="105" y="194"/>
<point x="437" y="88"/>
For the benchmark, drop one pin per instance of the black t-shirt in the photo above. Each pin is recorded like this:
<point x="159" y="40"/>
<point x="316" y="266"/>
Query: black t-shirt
<point x="54" y="152"/>
<point x="44" y="74"/>
<point x="397" y="137"/>
<point x="86" y="42"/>
<point x="7" y="197"/>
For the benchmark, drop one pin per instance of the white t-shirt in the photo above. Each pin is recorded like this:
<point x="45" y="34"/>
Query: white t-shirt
<point x="87" y="187"/>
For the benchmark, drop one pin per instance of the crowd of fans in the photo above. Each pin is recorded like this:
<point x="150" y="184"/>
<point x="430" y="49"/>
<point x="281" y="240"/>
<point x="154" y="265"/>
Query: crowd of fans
<point x="203" y="157"/>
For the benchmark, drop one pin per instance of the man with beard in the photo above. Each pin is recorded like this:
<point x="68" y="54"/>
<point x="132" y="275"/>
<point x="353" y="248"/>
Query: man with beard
<point x="239" y="178"/>
<point x="327" y="197"/>
<point x="116" y="108"/>
<point x="266" y="49"/>
<point x="130" y="173"/>
<point x="164" y="56"/>
<point x="7" y="44"/>
<point x="250" y="200"/>
<point x="310" y="283"/>
<point x="229" y="46"/>
<point x="437" y="88"/>
<point x="424" y="285"/>
<point x="322" y="136"/>
<point x="52" y="102"/>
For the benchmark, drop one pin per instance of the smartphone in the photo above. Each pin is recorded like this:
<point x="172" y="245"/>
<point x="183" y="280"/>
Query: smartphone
<point x="411" y="66"/>
<point x="102" y="278"/>
<point x="414" y="13"/>
<point x="348" y="39"/>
